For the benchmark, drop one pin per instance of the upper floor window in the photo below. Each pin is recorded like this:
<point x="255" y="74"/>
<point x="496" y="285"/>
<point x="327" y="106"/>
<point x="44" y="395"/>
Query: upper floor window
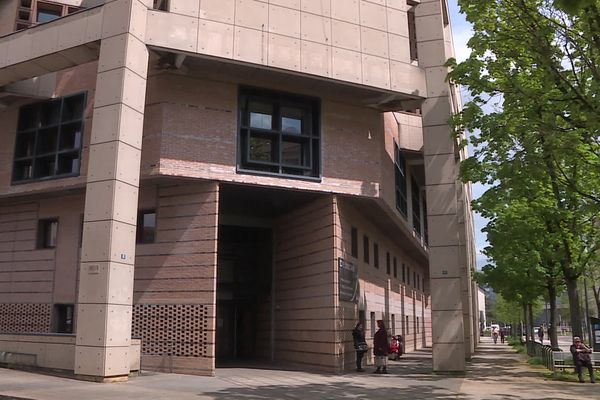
<point x="162" y="5"/>
<point x="416" y="206"/>
<point x="366" y="249"/>
<point x="354" y="242"/>
<point x="279" y="133"/>
<point x="31" y="12"/>
<point x="400" y="176"/>
<point x="49" y="138"/>
<point x="375" y="255"/>
<point x="412" y="29"/>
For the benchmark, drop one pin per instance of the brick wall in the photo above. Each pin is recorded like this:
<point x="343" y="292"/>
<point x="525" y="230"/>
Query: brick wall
<point x="175" y="278"/>
<point x="305" y="327"/>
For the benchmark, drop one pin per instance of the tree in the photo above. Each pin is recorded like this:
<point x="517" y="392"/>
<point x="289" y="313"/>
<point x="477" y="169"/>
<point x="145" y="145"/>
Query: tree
<point x="541" y="64"/>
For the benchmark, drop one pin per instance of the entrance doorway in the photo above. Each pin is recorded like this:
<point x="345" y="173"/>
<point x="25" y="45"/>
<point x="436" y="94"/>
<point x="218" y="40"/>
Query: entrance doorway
<point x="244" y="266"/>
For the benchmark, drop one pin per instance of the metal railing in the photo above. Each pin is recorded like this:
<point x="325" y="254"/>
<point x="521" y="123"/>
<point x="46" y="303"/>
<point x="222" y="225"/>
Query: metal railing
<point x="535" y="349"/>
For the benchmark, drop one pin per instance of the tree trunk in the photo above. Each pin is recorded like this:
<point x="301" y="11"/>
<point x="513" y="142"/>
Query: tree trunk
<point x="552" y="327"/>
<point x="530" y="325"/>
<point x="574" y="307"/>
<point x="524" y="329"/>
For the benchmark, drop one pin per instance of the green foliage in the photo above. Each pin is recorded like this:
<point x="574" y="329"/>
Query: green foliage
<point x="533" y="78"/>
<point x="535" y="361"/>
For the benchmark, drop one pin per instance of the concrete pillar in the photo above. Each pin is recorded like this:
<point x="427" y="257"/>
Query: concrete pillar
<point x="109" y="228"/>
<point x="448" y="261"/>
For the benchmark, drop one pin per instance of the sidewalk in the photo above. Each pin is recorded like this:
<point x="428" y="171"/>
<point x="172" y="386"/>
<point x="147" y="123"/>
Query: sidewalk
<point x="496" y="372"/>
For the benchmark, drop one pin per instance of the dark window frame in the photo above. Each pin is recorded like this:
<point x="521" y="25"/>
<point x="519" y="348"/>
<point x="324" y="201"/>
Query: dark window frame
<point x="403" y="273"/>
<point x="412" y="29"/>
<point x="40" y="136"/>
<point x="308" y="138"/>
<point x="42" y="233"/>
<point x="366" y="255"/>
<point x="395" y="268"/>
<point x="376" y="255"/>
<point x="140" y="237"/>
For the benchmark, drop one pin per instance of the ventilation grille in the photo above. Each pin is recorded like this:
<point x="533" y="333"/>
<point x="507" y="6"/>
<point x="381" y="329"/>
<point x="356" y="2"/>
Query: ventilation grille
<point x="171" y="329"/>
<point x="25" y="318"/>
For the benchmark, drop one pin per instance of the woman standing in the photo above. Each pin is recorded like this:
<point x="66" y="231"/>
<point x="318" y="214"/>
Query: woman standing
<point x="358" y="334"/>
<point x="380" y="348"/>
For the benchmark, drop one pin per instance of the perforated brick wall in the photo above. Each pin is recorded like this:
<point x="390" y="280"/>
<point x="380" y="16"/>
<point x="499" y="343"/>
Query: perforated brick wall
<point x="25" y="318"/>
<point x="171" y="329"/>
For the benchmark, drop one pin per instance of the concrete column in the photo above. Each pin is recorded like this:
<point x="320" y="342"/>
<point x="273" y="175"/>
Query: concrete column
<point x="109" y="229"/>
<point x="448" y="261"/>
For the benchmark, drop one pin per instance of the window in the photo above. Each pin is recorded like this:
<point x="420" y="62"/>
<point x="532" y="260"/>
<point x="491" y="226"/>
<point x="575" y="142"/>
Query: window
<point x="423" y="284"/>
<point x="393" y="324"/>
<point x="395" y="268"/>
<point x="412" y="30"/>
<point x="416" y="206"/>
<point x="146" y="226"/>
<point x="47" y="12"/>
<point x="418" y="283"/>
<point x="407" y="327"/>
<point x="425" y="230"/>
<point x="403" y="273"/>
<point x="387" y="262"/>
<point x="162" y="5"/>
<point x="375" y="255"/>
<point x="49" y="137"/>
<point x="373" y="324"/>
<point x="366" y="249"/>
<point x="354" y="242"/>
<point x="47" y="233"/>
<point x="279" y="134"/>
<point x="417" y="327"/>
<point x="414" y="279"/>
<point x="63" y="318"/>
<point x="408" y="275"/>
<point x="400" y="177"/>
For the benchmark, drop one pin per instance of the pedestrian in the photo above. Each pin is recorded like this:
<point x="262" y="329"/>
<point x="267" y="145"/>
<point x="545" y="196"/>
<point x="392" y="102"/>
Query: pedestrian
<point x="502" y="335"/>
<point x="380" y="348"/>
<point x="581" y="358"/>
<point x="360" y="345"/>
<point x="541" y="334"/>
<point x="495" y="335"/>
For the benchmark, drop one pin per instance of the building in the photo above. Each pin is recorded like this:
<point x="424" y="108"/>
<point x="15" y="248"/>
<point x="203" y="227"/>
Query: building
<point x="200" y="182"/>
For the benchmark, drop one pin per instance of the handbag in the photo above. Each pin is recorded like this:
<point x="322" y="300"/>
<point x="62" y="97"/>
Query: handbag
<point x="362" y="346"/>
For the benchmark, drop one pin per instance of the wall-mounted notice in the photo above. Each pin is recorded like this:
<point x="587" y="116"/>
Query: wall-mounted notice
<point x="347" y="280"/>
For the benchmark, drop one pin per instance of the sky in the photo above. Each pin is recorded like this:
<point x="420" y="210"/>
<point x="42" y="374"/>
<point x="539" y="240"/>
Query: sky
<point x="462" y="31"/>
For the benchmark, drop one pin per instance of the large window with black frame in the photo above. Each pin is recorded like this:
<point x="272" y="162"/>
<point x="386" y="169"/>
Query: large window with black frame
<point x="49" y="138"/>
<point x="279" y="134"/>
<point x="400" y="176"/>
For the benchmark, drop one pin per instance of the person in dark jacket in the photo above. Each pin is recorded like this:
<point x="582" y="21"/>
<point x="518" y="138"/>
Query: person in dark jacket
<point x="581" y="358"/>
<point x="360" y="344"/>
<point x="380" y="348"/>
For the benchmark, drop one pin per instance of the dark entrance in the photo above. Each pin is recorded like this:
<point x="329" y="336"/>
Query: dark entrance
<point x="243" y="293"/>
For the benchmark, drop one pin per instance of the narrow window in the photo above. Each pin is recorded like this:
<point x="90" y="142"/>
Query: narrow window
<point x="403" y="273"/>
<point x="376" y="255"/>
<point x="414" y="279"/>
<point x="412" y="30"/>
<point x="146" y="226"/>
<point x="47" y="233"/>
<point x="373" y="324"/>
<point x="423" y="284"/>
<point x="387" y="262"/>
<point x="354" y="242"/>
<point x="407" y="326"/>
<point x="395" y="268"/>
<point x="393" y="324"/>
<point x="366" y="249"/>
<point x="400" y="178"/>
<point x="416" y="206"/>
<point x="418" y="325"/>
<point x="81" y="230"/>
<point x="408" y="275"/>
<point x="63" y="318"/>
